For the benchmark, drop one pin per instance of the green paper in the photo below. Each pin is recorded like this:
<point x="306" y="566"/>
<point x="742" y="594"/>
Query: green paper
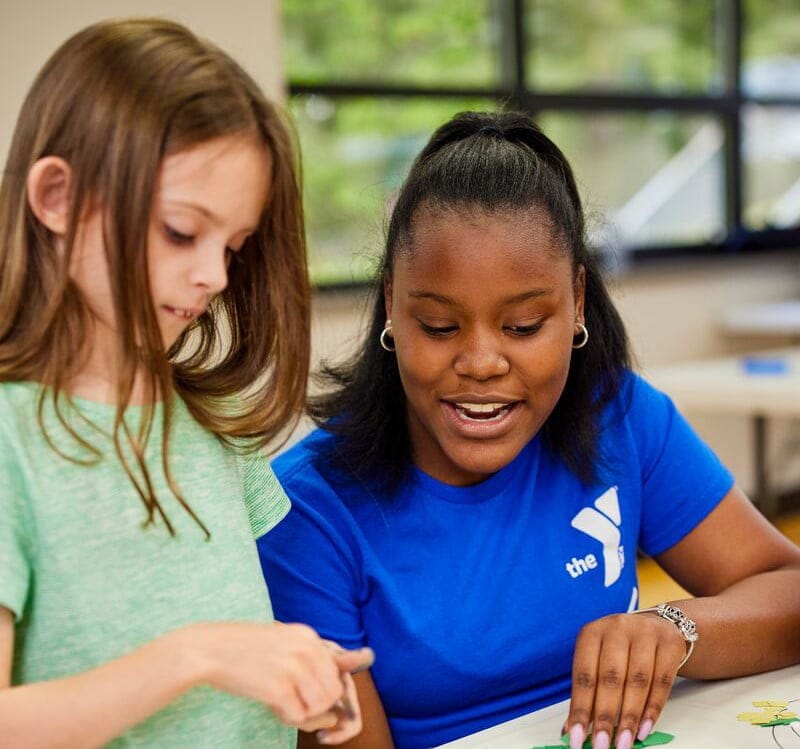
<point x="780" y="722"/>
<point x="654" y="739"/>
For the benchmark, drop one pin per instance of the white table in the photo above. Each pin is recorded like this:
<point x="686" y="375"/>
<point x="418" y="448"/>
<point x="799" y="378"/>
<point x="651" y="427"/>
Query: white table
<point x="701" y="715"/>
<point x="723" y="385"/>
<point x="773" y="319"/>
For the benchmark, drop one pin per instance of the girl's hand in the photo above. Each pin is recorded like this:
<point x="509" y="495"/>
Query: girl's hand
<point x="286" y="666"/>
<point x="341" y="723"/>
<point x="622" y="673"/>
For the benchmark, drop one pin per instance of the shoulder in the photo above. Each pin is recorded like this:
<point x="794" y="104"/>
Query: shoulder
<point x="15" y="396"/>
<point x="639" y="424"/>
<point x="18" y="411"/>
<point x="312" y="459"/>
<point x="264" y="498"/>
<point x="319" y="487"/>
<point x="637" y="401"/>
<point x="320" y="516"/>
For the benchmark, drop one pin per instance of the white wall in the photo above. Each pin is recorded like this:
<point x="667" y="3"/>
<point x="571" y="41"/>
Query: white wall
<point x="30" y="31"/>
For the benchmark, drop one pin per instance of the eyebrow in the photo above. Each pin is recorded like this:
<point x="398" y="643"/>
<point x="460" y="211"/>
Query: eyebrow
<point x="516" y="299"/>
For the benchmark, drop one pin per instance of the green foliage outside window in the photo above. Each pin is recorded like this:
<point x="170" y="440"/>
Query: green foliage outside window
<point x="650" y="177"/>
<point x="640" y="45"/>
<point x="406" y="41"/>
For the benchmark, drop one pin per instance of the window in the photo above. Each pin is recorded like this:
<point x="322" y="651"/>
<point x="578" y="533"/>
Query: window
<point x="681" y="120"/>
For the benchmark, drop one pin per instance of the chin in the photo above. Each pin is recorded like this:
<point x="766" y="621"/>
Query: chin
<point x="483" y="466"/>
<point x="169" y="337"/>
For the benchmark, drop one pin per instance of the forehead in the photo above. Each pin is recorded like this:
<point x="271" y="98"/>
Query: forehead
<point x="509" y="248"/>
<point x="230" y="174"/>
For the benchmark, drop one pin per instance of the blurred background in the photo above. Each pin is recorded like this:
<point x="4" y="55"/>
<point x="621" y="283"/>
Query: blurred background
<point x="681" y="120"/>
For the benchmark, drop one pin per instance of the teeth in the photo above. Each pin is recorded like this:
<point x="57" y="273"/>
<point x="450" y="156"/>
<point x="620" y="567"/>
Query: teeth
<point x="482" y="412"/>
<point x="482" y="417"/>
<point x="481" y="408"/>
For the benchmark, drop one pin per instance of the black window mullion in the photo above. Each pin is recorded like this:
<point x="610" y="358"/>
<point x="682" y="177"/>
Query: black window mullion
<point x="731" y="25"/>
<point x="512" y="50"/>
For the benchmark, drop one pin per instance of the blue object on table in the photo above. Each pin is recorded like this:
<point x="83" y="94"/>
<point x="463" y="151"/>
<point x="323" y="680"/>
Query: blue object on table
<point x="765" y="365"/>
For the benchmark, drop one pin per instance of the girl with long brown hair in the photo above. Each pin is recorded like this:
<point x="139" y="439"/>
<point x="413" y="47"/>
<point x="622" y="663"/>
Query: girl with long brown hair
<point x="154" y="335"/>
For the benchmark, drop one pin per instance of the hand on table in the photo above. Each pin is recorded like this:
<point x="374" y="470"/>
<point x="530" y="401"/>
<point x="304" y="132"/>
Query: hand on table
<point x="622" y="673"/>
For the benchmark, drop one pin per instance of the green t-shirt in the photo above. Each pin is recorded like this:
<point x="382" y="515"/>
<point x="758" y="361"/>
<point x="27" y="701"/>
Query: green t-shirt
<point x="88" y="583"/>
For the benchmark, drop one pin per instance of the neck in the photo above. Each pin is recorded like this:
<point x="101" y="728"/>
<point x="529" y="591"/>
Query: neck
<point x="99" y="376"/>
<point x="101" y="387"/>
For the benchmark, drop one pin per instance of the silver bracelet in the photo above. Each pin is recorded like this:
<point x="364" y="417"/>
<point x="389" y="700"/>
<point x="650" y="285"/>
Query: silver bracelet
<point x="684" y="624"/>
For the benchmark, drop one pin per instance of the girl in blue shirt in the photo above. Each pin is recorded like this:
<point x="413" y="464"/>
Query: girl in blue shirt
<point x="488" y="465"/>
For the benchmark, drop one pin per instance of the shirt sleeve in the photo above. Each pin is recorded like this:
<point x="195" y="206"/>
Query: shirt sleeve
<point x="15" y="538"/>
<point x="267" y="503"/>
<point x="682" y="479"/>
<point x="311" y="562"/>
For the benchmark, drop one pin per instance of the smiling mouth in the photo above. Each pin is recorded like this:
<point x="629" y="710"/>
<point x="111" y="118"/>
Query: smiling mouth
<point x="483" y="412"/>
<point x="186" y="314"/>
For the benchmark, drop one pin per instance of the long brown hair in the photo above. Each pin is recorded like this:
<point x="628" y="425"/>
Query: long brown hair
<point x="113" y="101"/>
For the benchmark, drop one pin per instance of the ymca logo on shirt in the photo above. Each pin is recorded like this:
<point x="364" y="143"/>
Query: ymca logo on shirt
<point x="601" y="523"/>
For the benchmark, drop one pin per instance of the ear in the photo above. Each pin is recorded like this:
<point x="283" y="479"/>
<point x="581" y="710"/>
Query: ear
<point x="387" y="294"/>
<point x="580" y="293"/>
<point x="49" y="188"/>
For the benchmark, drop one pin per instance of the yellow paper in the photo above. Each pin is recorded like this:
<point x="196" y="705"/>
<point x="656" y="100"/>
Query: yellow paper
<point x="770" y="710"/>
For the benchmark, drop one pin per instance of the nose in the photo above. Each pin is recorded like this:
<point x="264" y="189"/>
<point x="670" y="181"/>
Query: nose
<point x="481" y="358"/>
<point x="210" y="269"/>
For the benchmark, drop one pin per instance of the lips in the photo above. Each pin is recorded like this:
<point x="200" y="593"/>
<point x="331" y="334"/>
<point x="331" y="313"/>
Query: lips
<point x="186" y="313"/>
<point x="481" y="419"/>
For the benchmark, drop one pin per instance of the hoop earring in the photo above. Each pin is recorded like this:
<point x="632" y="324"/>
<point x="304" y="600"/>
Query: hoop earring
<point x="584" y="333"/>
<point x="386" y="333"/>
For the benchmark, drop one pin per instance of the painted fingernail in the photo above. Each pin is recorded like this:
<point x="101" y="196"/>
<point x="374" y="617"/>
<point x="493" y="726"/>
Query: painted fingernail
<point x="601" y="740"/>
<point x="645" y="727"/>
<point x="625" y="739"/>
<point x="322" y="736"/>
<point x="576" y="736"/>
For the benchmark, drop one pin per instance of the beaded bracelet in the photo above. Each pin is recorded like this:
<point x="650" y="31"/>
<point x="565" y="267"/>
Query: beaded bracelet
<point x="684" y="624"/>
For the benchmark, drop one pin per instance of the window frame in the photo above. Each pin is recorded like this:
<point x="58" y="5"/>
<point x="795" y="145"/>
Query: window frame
<point x="726" y="106"/>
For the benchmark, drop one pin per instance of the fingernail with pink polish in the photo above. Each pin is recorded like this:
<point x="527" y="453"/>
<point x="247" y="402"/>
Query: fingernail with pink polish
<point x="601" y="740"/>
<point x="625" y="739"/>
<point x="645" y="727"/>
<point x="576" y="736"/>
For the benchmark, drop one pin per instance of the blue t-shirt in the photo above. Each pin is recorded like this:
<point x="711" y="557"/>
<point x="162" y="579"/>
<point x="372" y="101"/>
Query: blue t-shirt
<point x="472" y="597"/>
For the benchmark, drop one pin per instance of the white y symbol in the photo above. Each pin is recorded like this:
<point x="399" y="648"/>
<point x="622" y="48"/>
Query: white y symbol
<point x="603" y="526"/>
